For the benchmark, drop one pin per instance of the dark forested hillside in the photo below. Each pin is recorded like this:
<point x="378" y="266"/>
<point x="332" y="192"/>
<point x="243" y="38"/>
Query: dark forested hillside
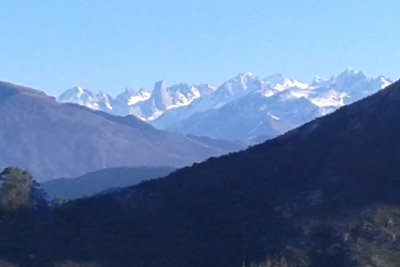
<point x="325" y="194"/>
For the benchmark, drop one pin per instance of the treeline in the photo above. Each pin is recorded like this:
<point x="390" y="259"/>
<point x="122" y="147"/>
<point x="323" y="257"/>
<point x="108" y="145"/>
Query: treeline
<point x="19" y="192"/>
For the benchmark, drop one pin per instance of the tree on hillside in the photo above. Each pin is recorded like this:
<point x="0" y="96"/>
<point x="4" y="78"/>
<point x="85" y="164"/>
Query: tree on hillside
<point x="19" y="191"/>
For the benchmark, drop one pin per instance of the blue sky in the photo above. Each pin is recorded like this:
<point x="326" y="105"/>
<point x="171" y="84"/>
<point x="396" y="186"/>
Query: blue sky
<point x="109" y="45"/>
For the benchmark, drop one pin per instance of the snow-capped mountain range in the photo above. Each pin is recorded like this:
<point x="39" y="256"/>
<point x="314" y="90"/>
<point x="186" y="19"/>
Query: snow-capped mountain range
<point x="244" y="108"/>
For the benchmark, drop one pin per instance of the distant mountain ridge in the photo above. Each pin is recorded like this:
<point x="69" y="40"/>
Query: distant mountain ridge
<point x="98" y="181"/>
<point x="257" y="106"/>
<point x="53" y="139"/>
<point x="324" y="194"/>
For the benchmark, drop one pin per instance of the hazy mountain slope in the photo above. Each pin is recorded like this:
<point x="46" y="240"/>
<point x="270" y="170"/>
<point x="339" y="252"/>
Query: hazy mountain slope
<point x="249" y="117"/>
<point x="325" y="194"/>
<point x="66" y="140"/>
<point x="97" y="181"/>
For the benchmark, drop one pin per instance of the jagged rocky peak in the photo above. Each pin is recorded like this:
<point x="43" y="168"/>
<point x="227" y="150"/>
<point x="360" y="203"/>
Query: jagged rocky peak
<point x="94" y="100"/>
<point x="247" y="98"/>
<point x="131" y="96"/>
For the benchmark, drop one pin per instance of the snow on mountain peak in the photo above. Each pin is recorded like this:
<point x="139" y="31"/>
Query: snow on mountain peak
<point x="85" y="97"/>
<point x="206" y="89"/>
<point x="238" y="86"/>
<point x="351" y="75"/>
<point x="180" y="107"/>
<point x="131" y="97"/>
<point x="73" y="93"/>
<point x="349" y="86"/>
<point x="280" y="82"/>
<point x="175" y="96"/>
<point x="78" y="89"/>
<point x="318" y="80"/>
